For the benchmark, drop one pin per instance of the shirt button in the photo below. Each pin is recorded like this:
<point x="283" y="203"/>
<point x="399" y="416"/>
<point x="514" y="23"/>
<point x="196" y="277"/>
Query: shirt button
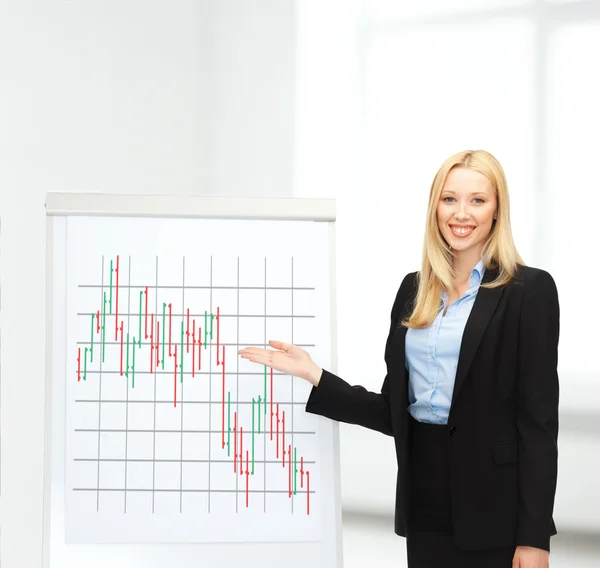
<point x="452" y="430"/>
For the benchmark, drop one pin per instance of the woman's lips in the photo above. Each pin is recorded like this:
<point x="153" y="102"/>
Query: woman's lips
<point x="461" y="232"/>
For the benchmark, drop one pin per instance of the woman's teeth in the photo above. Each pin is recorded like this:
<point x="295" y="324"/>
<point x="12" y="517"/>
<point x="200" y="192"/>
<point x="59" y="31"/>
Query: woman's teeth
<point x="462" y="231"/>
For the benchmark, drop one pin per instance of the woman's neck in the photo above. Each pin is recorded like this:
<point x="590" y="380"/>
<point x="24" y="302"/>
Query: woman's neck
<point x="463" y="267"/>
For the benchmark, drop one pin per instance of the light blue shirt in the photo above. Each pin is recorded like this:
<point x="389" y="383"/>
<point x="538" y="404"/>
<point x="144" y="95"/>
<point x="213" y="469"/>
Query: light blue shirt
<point x="432" y="355"/>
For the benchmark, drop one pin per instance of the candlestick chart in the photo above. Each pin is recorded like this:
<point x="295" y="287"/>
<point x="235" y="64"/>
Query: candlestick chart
<point x="165" y="418"/>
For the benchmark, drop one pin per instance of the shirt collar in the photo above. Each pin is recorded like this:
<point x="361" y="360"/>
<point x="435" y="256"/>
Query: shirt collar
<point x="477" y="274"/>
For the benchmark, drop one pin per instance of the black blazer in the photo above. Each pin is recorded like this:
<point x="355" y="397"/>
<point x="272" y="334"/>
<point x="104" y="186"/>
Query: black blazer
<point x="503" y="421"/>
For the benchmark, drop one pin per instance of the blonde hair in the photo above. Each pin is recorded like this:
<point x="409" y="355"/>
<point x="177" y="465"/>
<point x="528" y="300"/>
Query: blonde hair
<point x="437" y="270"/>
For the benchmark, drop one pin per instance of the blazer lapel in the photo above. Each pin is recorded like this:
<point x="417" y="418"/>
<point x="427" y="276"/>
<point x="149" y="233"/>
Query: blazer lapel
<point x="483" y="308"/>
<point x="399" y="342"/>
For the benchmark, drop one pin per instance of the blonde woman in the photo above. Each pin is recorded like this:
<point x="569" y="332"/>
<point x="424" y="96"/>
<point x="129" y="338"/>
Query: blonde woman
<point x="471" y="390"/>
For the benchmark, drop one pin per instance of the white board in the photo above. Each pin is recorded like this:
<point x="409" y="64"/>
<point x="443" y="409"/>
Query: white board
<point x="148" y="403"/>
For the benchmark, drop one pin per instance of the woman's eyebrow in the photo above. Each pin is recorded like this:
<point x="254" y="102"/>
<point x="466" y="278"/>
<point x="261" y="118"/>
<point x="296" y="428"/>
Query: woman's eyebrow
<point x="474" y="193"/>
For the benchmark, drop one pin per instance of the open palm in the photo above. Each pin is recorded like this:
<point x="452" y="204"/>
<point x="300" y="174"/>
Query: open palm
<point x="286" y="358"/>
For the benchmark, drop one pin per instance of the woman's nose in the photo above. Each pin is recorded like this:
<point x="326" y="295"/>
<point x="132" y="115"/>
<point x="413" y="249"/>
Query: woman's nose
<point x="461" y="212"/>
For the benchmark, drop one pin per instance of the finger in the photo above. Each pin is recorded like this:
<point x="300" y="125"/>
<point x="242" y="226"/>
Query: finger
<point x="261" y="360"/>
<point x="280" y="345"/>
<point x="254" y="351"/>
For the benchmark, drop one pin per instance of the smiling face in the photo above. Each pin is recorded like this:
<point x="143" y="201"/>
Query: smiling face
<point x="465" y="212"/>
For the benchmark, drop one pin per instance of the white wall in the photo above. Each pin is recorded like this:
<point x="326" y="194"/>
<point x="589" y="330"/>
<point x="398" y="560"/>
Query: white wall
<point x="120" y="96"/>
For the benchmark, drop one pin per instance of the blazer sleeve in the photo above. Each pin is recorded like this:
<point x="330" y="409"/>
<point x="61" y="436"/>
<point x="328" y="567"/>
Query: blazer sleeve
<point x="336" y="399"/>
<point x="537" y="413"/>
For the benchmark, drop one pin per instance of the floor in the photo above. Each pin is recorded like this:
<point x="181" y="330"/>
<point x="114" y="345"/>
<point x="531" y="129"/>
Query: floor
<point x="371" y="538"/>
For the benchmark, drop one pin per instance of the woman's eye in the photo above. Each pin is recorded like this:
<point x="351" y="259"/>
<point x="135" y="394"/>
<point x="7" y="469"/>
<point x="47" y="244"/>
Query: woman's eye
<point x="476" y="199"/>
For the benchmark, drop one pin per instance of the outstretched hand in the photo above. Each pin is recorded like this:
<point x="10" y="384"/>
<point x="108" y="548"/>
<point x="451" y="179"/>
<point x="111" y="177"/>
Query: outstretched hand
<point x="286" y="358"/>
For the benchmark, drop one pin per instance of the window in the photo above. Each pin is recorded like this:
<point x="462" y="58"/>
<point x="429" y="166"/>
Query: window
<point x="392" y="88"/>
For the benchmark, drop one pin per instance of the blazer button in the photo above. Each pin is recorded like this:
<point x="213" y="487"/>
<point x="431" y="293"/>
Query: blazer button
<point x="452" y="430"/>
